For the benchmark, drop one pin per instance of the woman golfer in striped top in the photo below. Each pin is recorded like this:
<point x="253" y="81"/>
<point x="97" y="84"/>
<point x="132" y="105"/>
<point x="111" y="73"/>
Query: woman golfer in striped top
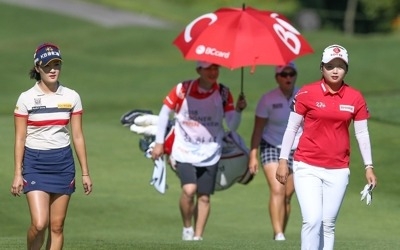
<point x="44" y="164"/>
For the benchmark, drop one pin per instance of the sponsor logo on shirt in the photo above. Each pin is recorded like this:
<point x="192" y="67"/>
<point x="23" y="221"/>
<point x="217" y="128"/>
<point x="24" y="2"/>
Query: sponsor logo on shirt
<point x="320" y="104"/>
<point x="348" y="108"/>
<point x="277" y="105"/>
<point x="38" y="101"/>
<point x="64" y="105"/>
<point x="38" y="107"/>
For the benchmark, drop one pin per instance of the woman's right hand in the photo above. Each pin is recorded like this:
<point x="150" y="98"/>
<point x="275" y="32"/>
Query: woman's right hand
<point x="17" y="185"/>
<point x="253" y="165"/>
<point x="157" y="151"/>
<point x="282" y="172"/>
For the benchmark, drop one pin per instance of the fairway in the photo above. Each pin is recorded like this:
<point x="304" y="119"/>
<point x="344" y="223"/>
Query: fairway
<point x="119" y="69"/>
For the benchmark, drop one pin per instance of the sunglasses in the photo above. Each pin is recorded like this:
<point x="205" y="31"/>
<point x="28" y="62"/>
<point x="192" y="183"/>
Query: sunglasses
<point x="286" y="74"/>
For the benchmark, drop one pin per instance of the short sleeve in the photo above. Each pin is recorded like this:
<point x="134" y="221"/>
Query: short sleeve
<point x="362" y="112"/>
<point x="20" y="107"/>
<point x="299" y="104"/>
<point x="175" y="96"/>
<point x="262" y="107"/>
<point x="77" y="108"/>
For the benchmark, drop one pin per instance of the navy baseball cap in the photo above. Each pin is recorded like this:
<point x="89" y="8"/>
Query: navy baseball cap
<point x="46" y="53"/>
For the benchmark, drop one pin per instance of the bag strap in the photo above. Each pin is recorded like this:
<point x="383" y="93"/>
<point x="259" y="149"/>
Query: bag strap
<point x="224" y="92"/>
<point x="186" y="86"/>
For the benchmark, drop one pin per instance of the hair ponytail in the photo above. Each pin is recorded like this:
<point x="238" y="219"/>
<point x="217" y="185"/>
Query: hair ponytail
<point x="33" y="74"/>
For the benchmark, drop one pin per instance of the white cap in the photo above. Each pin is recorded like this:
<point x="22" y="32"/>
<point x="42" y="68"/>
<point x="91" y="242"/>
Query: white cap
<point x="203" y="64"/>
<point x="280" y="68"/>
<point x="335" y="51"/>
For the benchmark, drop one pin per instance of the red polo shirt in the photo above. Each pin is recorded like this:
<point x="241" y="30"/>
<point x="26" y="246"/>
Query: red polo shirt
<point x="325" y="141"/>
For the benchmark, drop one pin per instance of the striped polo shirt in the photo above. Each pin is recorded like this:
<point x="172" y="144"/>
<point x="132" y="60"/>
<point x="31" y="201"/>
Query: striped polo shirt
<point x="48" y="116"/>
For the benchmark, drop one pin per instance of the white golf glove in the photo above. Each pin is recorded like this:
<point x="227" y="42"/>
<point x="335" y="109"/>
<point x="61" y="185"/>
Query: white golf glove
<point x="366" y="193"/>
<point x="150" y="150"/>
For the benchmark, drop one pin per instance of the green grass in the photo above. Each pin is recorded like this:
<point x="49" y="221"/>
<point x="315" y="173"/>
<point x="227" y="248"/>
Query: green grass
<point x="116" y="70"/>
<point x="180" y="11"/>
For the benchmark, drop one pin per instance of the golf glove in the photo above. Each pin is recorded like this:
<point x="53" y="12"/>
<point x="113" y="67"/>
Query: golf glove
<point x="366" y="193"/>
<point x="150" y="150"/>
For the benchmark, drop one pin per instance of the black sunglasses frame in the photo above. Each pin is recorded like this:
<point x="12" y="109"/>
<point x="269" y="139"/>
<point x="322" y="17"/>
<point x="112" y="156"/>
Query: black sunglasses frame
<point x="286" y="74"/>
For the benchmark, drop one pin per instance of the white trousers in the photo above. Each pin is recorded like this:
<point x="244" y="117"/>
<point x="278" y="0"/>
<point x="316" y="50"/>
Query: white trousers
<point x="320" y="192"/>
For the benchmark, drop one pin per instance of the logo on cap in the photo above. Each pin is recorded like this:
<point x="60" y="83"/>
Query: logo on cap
<point x="49" y="49"/>
<point x="336" y="50"/>
<point x="46" y="53"/>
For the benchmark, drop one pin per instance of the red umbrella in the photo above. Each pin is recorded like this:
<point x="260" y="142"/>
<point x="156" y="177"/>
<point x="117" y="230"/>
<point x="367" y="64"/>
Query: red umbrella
<point x="238" y="37"/>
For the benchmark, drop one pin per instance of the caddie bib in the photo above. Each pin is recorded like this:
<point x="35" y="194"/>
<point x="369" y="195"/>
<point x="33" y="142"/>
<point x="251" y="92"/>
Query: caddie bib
<point x="199" y="130"/>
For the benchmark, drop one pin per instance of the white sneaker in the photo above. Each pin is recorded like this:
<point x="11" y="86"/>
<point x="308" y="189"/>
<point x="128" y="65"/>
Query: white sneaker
<point x="187" y="234"/>
<point x="197" y="238"/>
<point x="280" y="237"/>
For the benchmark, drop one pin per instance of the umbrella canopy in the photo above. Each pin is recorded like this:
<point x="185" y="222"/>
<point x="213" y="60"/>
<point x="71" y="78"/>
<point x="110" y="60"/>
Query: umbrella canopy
<point x="238" y="37"/>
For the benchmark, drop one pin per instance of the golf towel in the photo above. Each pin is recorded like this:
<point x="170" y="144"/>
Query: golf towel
<point x="159" y="178"/>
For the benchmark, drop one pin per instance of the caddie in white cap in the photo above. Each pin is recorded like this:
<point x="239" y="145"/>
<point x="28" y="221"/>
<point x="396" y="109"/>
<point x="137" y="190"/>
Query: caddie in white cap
<point x="204" y="64"/>
<point x="201" y="106"/>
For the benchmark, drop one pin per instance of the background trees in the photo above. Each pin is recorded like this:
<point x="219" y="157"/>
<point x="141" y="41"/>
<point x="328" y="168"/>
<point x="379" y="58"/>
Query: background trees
<point x="352" y="16"/>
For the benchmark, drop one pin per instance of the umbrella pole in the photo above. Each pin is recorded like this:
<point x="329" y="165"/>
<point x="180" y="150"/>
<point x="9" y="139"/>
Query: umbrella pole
<point x="241" y="82"/>
<point x="241" y="78"/>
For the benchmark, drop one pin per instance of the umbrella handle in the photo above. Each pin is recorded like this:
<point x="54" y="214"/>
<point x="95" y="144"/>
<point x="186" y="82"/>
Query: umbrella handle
<point x="241" y="82"/>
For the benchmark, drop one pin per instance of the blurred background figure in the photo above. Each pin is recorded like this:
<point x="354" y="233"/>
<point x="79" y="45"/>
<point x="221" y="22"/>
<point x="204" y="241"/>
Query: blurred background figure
<point x="270" y="122"/>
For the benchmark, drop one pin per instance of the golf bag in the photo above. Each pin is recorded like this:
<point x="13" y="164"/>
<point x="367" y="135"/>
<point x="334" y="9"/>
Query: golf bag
<point x="232" y="167"/>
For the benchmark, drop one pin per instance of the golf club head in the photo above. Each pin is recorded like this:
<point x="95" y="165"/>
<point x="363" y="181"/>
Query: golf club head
<point x="145" y="142"/>
<point x="129" y="117"/>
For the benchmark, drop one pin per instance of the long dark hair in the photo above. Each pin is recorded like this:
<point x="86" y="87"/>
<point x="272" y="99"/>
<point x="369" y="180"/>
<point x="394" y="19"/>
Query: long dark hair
<point x="33" y="74"/>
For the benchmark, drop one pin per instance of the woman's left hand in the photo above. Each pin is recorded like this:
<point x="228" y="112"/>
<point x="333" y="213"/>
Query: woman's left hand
<point x="370" y="176"/>
<point x="87" y="184"/>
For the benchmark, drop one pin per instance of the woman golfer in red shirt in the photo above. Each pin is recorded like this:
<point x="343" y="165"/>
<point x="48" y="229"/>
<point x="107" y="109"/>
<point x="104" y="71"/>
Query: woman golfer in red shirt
<point x="321" y="160"/>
